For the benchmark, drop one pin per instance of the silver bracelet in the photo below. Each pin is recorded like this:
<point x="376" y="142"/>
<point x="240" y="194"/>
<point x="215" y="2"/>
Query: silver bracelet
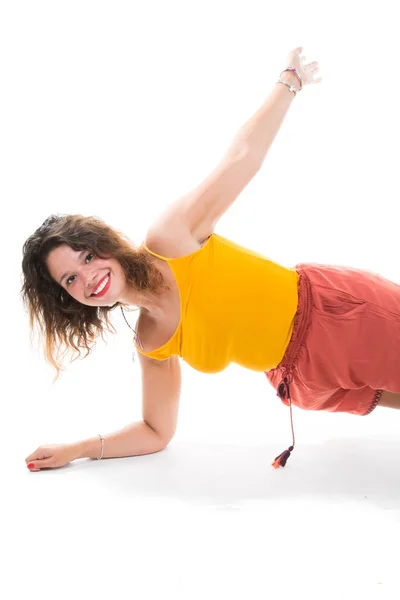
<point x="289" y="85"/>
<point x="299" y="77"/>
<point x="102" y="446"/>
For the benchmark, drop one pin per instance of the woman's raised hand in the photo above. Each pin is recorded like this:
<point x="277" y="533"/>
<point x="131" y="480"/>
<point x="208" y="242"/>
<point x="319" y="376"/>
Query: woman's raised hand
<point x="307" y="71"/>
<point x="52" y="456"/>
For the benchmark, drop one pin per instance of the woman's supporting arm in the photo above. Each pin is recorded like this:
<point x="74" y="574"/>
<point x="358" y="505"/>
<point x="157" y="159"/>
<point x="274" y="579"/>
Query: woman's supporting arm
<point x="161" y="389"/>
<point x="133" y="440"/>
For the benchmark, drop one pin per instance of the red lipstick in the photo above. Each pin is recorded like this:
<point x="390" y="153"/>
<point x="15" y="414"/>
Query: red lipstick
<point x="100" y="294"/>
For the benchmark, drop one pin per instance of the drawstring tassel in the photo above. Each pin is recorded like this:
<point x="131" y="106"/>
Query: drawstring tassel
<point x="284" y="394"/>
<point x="281" y="460"/>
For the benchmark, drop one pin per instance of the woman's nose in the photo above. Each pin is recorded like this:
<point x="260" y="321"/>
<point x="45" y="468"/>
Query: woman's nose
<point x="90" y="279"/>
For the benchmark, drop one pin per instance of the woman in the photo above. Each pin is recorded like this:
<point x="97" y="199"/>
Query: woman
<point x="314" y="338"/>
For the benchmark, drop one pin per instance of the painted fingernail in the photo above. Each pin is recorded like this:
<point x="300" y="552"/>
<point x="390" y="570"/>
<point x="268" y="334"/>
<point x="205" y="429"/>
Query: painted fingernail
<point x="30" y="466"/>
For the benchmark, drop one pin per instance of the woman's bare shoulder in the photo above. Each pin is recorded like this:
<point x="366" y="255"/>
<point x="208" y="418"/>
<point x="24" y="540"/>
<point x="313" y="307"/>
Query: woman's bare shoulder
<point x="171" y="240"/>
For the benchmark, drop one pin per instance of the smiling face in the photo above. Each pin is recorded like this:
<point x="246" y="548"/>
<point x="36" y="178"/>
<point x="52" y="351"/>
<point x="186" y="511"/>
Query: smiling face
<point x="82" y="274"/>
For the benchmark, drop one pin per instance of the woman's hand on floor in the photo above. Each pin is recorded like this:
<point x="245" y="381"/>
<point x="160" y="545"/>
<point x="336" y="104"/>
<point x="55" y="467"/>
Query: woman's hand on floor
<point x="51" y="456"/>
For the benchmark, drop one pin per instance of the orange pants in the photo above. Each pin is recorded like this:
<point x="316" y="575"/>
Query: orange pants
<point x="345" y="345"/>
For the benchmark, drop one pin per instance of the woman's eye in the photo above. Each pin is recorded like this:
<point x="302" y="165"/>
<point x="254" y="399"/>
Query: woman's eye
<point x="68" y="282"/>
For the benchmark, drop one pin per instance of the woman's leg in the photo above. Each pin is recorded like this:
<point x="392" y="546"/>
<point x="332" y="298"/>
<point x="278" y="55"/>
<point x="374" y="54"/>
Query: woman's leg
<point x="390" y="399"/>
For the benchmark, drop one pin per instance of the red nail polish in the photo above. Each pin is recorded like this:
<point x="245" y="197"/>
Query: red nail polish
<point x="30" y="466"/>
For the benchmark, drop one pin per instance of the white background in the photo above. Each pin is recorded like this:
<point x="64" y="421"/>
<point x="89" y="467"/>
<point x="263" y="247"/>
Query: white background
<point x="115" y="109"/>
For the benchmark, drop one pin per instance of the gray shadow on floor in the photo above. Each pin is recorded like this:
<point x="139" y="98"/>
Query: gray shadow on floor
<point x="227" y="475"/>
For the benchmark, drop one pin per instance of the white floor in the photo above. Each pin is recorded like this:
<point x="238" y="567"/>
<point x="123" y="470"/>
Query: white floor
<point x="208" y="517"/>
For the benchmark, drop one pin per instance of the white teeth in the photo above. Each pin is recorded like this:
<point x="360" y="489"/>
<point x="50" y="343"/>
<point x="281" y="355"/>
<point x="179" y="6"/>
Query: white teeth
<point x="102" y="286"/>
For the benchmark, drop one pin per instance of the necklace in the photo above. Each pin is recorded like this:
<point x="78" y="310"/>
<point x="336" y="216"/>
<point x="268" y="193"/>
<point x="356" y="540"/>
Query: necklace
<point x="136" y="337"/>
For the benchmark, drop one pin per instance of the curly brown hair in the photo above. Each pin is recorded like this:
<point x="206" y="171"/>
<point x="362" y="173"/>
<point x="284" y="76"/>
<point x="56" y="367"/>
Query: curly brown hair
<point x="64" y="323"/>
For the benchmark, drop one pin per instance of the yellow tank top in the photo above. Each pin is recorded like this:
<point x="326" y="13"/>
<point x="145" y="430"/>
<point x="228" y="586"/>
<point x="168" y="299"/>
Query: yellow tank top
<point x="236" y="307"/>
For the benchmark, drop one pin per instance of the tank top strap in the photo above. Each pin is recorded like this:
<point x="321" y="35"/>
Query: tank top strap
<point x="155" y="254"/>
<point x="190" y="254"/>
